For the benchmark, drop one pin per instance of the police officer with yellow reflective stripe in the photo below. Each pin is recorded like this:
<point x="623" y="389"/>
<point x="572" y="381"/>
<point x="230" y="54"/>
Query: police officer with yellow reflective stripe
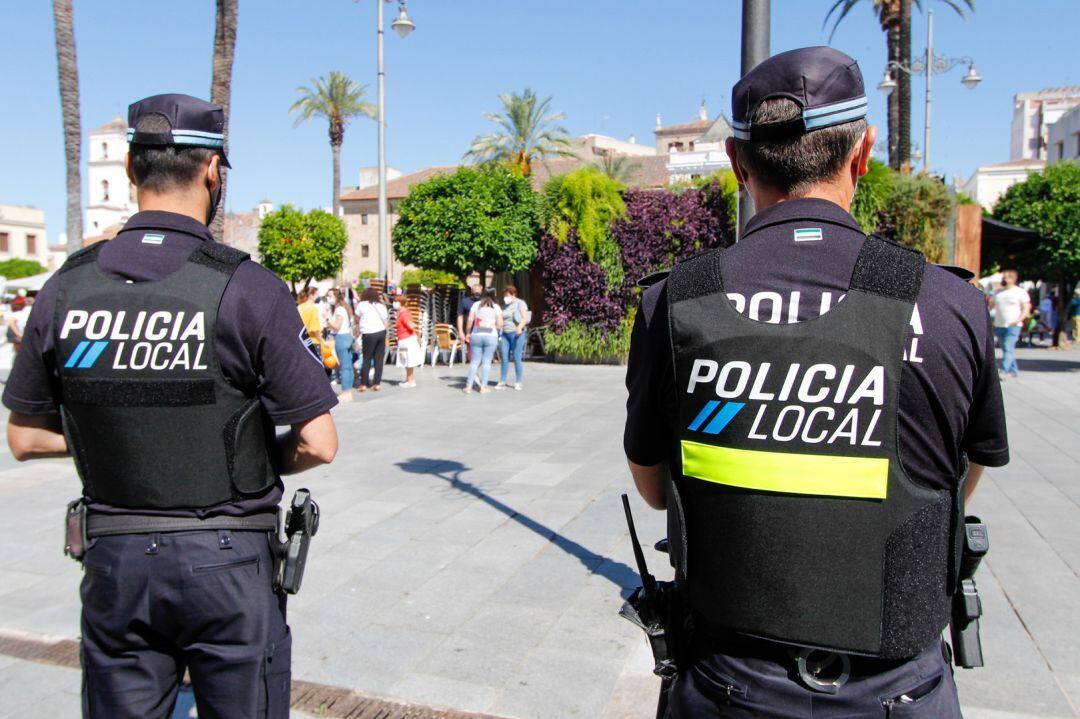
<point x="813" y="408"/>
<point x="162" y="361"/>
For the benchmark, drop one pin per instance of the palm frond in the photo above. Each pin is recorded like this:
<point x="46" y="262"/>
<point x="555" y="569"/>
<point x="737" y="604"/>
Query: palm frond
<point x="529" y="131"/>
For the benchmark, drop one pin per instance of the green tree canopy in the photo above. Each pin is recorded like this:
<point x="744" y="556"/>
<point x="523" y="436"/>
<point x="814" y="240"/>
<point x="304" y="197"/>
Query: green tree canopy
<point x="872" y="195"/>
<point x="302" y="246"/>
<point x="586" y="201"/>
<point x="916" y="214"/>
<point x="18" y="268"/>
<point x="477" y="219"/>
<point x="1049" y="203"/>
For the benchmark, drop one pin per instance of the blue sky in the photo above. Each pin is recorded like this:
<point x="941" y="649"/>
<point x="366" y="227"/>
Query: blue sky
<point x="611" y="66"/>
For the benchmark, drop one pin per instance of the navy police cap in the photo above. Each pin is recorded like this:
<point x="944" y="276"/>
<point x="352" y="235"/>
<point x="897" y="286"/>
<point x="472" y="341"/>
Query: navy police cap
<point x="825" y="83"/>
<point x="194" y="123"/>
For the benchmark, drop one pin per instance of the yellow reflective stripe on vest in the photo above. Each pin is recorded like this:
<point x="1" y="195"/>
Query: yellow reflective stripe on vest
<point x="823" y="475"/>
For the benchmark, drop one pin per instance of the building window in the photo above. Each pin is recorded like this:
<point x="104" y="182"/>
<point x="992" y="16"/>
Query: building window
<point x="31" y="244"/>
<point x="1059" y="150"/>
<point x="364" y="251"/>
<point x="363" y="219"/>
<point x="4" y="242"/>
<point x="104" y="151"/>
<point x="104" y="190"/>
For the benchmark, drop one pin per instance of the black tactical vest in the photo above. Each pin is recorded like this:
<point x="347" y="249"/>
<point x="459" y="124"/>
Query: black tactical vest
<point x="797" y="521"/>
<point x="150" y="419"/>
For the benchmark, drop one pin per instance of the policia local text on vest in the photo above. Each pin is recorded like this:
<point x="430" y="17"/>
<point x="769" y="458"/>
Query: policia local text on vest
<point x="812" y="574"/>
<point x="141" y="372"/>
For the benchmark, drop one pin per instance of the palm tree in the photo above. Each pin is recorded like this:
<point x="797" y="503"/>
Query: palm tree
<point x="617" y="167"/>
<point x="894" y="17"/>
<point x="338" y="99"/>
<point x="529" y="133"/>
<point x="221" y="90"/>
<point x="68" y="72"/>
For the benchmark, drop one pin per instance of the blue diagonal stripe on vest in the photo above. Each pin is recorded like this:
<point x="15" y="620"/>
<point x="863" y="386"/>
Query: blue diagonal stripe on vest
<point x="703" y="415"/>
<point x="92" y="354"/>
<point x="725" y="415"/>
<point x="74" y="357"/>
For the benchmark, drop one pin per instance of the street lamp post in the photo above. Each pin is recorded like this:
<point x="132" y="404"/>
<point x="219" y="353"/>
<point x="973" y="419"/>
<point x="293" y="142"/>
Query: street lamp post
<point x="402" y="26"/>
<point x="928" y="65"/>
<point x="755" y="50"/>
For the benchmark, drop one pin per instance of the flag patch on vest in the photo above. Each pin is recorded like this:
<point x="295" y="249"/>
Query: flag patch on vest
<point x="152" y="239"/>
<point x="808" y="234"/>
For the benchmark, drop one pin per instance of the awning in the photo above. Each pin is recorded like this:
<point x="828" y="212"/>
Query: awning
<point x="1007" y="239"/>
<point x="33" y="283"/>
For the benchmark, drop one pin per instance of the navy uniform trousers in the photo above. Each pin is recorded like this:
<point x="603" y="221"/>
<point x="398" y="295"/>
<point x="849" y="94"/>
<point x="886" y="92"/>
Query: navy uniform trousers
<point x="723" y="685"/>
<point x="155" y="605"/>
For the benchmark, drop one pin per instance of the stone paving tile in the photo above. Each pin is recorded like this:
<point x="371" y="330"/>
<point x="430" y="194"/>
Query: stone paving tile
<point x="458" y="570"/>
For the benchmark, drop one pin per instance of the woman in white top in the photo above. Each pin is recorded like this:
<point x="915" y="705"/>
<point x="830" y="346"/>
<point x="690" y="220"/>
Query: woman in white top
<point x="373" y="317"/>
<point x="340" y="325"/>
<point x="486" y="321"/>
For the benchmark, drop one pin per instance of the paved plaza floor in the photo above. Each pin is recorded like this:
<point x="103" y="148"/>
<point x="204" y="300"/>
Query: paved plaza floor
<point x="473" y="554"/>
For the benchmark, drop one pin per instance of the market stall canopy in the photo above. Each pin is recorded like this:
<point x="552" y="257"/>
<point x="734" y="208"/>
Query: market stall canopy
<point x="34" y="283"/>
<point x="1006" y="238"/>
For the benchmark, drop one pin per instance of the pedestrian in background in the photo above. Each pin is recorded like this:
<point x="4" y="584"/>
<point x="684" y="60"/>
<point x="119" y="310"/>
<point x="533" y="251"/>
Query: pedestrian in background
<point x="409" y="354"/>
<point x="1074" y="315"/>
<point x="1012" y="307"/>
<point x="464" y="307"/>
<point x="514" y="336"/>
<point x="373" y="321"/>
<point x="485" y="323"/>
<point x="340" y="325"/>
<point x="309" y="313"/>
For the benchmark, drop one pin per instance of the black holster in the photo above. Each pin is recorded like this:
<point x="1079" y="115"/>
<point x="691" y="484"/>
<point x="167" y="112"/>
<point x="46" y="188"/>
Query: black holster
<point x="663" y="616"/>
<point x="301" y="524"/>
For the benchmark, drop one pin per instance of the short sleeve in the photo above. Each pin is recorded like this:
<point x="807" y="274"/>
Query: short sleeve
<point x="32" y="387"/>
<point x="986" y="440"/>
<point x="647" y="432"/>
<point x="288" y="374"/>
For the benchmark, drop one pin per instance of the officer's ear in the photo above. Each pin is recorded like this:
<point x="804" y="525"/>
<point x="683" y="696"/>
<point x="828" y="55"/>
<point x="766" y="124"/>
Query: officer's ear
<point x="861" y="161"/>
<point x="213" y="173"/>
<point x="128" y="170"/>
<point x="729" y="148"/>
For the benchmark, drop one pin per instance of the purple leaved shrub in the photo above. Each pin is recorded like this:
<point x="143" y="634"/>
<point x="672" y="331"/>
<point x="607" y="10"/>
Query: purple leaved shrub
<point x="663" y="227"/>
<point x="576" y="289"/>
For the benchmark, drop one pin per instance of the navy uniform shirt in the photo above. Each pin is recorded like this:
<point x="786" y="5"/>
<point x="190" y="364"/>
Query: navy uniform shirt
<point x="258" y="336"/>
<point x="950" y="397"/>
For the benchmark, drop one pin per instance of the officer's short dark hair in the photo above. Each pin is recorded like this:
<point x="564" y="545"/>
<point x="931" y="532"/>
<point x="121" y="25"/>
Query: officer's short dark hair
<point x="161" y="168"/>
<point x="793" y="165"/>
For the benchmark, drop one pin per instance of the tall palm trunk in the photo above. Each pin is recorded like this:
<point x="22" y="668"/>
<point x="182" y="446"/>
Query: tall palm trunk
<point x="903" y="89"/>
<point x="335" y="150"/>
<point x="892" y="38"/>
<point x="221" y="89"/>
<point x="68" y="73"/>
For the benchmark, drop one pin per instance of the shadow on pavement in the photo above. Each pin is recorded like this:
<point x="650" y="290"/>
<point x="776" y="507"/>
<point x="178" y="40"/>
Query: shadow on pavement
<point x="1047" y="365"/>
<point x="450" y="471"/>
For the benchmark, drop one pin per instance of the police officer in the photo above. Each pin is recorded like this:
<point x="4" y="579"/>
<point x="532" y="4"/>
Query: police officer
<point x="161" y="362"/>
<point x="813" y="408"/>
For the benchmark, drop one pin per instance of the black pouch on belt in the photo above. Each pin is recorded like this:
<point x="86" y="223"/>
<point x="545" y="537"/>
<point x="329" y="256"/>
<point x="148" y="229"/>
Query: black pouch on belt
<point x="75" y="540"/>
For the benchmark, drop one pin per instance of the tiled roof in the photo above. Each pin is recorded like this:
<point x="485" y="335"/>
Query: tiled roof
<point x="1023" y="162"/>
<point x="686" y="127"/>
<point x="398" y="187"/>
<point x="649" y="170"/>
<point x="115" y="125"/>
